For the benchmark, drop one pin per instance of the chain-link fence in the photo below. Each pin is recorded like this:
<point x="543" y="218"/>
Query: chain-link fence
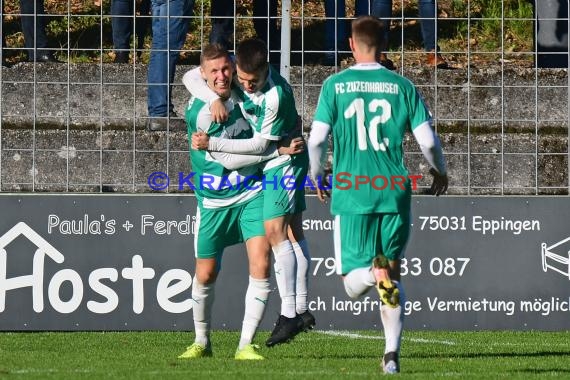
<point x="493" y="73"/>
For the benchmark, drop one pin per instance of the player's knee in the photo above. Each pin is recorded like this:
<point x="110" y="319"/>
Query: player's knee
<point x="259" y="269"/>
<point x="352" y="293"/>
<point x="276" y="231"/>
<point x="275" y="236"/>
<point x="206" y="277"/>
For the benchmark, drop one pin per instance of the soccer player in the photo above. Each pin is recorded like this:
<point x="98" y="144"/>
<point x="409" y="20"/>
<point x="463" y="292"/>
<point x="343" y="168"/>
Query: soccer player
<point x="368" y="109"/>
<point x="267" y="102"/>
<point x="229" y="205"/>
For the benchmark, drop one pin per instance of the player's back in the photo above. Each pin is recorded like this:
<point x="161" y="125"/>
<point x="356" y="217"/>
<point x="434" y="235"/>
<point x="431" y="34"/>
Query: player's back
<point x="371" y="109"/>
<point x="271" y="111"/>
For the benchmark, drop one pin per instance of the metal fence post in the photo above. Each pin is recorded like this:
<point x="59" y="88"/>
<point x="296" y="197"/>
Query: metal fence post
<point x="285" y="39"/>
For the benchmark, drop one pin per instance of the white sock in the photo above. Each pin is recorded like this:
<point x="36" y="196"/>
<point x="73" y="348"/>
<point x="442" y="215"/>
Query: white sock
<point x="303" y="265"/>
<point x="203" y="297"/>
<point x="393" y="321"/>
<point x="358" y="281"/>
<point x="255" y="302"/>
<point x="285" y="268"/>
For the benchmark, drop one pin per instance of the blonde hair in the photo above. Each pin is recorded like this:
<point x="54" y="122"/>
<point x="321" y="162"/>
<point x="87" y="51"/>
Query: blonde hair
<point x="213" y="51"/>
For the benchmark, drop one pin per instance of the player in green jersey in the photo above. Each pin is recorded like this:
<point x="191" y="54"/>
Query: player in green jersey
<point x="368" y="110"/>
<point x="230" y="200"/>
<point x="267" y="102"/>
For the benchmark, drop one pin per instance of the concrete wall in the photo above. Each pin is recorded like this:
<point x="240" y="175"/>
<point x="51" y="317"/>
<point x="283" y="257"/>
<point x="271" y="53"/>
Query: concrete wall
<point x="78" y="127"/>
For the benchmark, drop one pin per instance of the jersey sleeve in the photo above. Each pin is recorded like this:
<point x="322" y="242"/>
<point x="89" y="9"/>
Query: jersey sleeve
<point x="317" y="145"/>
<point x="237" y="161"/>
<point x="255" y="145"/>
<point x="269" y="125"/>
<point x="418" y="112"/>
<point x="324" y="112"/>
<point x="194" y="83"/>
<point x="430" y="146"/>
<point x="203" y="120"/>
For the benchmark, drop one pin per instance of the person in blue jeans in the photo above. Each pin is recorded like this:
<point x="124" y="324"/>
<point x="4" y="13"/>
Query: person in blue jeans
<point x="335" y="13"/>
<point x="264" y="23"/>
<point x="428" y="14"/>
<point x="170" y="21"/>
<point x="34" y="23"/>
<point x="123" y="12"/>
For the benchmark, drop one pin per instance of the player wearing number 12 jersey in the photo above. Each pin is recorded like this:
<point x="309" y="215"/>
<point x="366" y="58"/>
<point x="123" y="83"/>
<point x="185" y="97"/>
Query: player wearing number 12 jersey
<point x="368" y="109"/>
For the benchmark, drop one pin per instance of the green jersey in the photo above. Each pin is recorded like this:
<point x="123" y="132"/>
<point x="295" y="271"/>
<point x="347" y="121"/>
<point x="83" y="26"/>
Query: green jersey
<point x="270" y="111"/>
<point x="369" y="109"/>
<point x="216" y="186"/>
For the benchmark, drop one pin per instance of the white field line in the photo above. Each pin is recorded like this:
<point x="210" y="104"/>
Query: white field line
<point x="360" y="336"/>
<point x="49" y="370"/>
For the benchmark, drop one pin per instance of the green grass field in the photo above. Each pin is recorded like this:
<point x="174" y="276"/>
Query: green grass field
<point x="318" y="354"/>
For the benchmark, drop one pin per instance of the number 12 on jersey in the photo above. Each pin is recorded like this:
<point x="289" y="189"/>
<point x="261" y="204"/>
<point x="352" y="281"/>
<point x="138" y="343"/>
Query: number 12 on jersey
<point x="357" y="108"/>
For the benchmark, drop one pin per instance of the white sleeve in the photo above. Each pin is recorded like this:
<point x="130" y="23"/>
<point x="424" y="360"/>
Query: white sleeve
<point x="430" y="146"/>
<point x="317" y="146"/>
<point x="237" y="161"/>
<point x="254" y="145"/>
<point x="197" y="86"/>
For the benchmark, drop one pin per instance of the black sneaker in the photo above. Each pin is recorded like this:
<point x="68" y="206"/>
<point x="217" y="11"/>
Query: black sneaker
<point x="308" y="321"/>
<point x="390" y="363"/>
<point x="121" y="57"/>
<point x="163" y="123"/>
<point x="285" y="330"/>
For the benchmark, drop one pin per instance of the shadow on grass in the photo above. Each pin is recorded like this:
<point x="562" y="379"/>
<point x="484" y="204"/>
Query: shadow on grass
<point x="542" y="354"/>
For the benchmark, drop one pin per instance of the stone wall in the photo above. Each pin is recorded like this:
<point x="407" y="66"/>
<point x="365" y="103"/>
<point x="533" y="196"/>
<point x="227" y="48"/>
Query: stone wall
<point x="80" y="128"/>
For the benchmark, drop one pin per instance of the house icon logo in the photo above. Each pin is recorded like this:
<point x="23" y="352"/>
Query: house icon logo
<point x="557" y="257"/>
<point x="36" y="278"/>
<point x="171" y="283"/>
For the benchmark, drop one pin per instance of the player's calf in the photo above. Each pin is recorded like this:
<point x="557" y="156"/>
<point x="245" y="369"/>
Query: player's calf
<point x="386" y="288"/>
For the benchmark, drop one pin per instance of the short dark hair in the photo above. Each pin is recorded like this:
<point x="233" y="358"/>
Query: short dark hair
<point x="213" y="51"/>
<point x="367" y="30"/>
<point x="251" y="55"/>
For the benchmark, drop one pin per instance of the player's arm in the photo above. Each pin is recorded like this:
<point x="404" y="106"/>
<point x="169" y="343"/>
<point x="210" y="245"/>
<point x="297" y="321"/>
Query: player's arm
<point x="255" y="145"/>
<point x="320" y="129"/>
<point x="430" y="146"/>
<point x="233" y="161"/>
<point x="195" y="83"/>
<point x="260" y="141"/>
<point x="431" y="149"/>
<point x="318" y="139"/>
<point x="318" y="146"/>
<point x="229" y="160"/>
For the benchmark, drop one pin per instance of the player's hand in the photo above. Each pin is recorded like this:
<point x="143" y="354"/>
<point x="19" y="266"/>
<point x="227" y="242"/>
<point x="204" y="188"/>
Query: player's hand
<point x="439" y="184"/>
<point x="322" y="188"/>
<point x="200" y="141"/>
<point x="294" y="146"/>
<point x="322" y="195"/>
<point x="218" y="111"/>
